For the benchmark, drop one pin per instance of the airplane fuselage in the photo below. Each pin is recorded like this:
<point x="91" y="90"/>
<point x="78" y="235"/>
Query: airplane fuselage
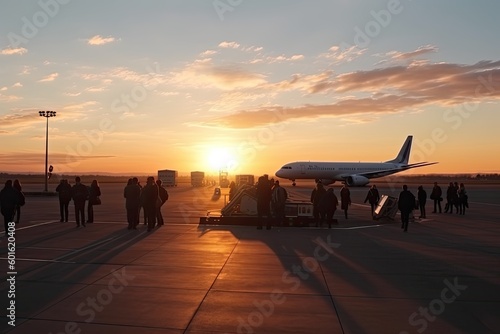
<point x="329" y="172"/>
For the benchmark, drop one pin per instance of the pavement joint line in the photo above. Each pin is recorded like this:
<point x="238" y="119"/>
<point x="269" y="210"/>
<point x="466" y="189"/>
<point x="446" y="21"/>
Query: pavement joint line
<point x="211" y="286"/>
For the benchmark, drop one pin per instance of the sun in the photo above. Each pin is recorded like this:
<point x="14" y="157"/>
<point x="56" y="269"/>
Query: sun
<point x="220" y="158"/>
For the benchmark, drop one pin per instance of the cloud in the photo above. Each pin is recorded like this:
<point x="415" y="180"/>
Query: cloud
<point x="17" y="85"/>
<point x="13" y="51"/>
<point x="59" y="160"/>
<point x="204" y="73"/>
<point x="50" y="77"/>
<point x="395" y="55"/>
<point x="99" y="40"/>
<point x="387" y="90"/>
<point x="229" y="45"/>
<point x="337" y="55"/>
<point x="9" y="98"/>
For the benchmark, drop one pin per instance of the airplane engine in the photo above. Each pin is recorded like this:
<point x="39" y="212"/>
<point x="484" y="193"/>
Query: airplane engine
<point x="326" y="182"/>
<point x="357" y="180"/>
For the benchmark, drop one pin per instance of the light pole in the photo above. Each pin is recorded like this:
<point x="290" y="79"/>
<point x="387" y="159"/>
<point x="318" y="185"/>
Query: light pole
<point x="47" y="114"/>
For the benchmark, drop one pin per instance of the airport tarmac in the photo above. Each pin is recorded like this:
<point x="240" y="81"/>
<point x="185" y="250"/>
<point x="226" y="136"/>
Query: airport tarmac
<point x="361" y="276"/>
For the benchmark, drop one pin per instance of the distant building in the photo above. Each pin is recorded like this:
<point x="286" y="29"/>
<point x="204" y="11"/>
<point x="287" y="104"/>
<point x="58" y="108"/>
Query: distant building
<point x="168" y="177"/>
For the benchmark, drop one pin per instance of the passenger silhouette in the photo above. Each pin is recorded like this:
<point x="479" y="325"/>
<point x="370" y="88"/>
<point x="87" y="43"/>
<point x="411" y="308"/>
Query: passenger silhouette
<point x="163" y="195"/>
<point x="264" y="201"/>
<point x="330" y="203"/>
<point x="10" y="198"/>
<point x="436" y="196"/>
<point x="132" y="194"/>
<point x="80" y="194"/>
<point x="149" y="198"/>
<point x="94" y="199"/>
<point x="463" y="199"/>
<point x="345" y="199"/>
<point x="372" y="197"/>
<point x="406" y="204"/>
<point x="422" y="199"/>
<point x="319" y="210"/>
<point x="64" y="191"/>
<point x="18" y="187"/>
<point x="278" y="202"/>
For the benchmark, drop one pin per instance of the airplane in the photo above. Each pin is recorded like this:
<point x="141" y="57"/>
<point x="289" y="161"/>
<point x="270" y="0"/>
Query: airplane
<point x="352" y="173"/>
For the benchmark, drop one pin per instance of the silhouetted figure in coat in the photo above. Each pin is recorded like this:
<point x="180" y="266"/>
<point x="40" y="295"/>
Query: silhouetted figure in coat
<point x="10" y="198"/>
<point x="264" y="201"/>
<point x="18" y="187"/>
<point x="319" y="210"/>
<point x="422" y="199"/>
<point x="345" y="199"/>
<point x="329" y="205"/>
<point x="372" y="197"/>
<point x="132" y="194"/>
<point x="163" y="195"/>
<point x="64" y="191"/>
<point x="279" y="196"/>
<point x="436" y="196"/>
<point x="451" y="197"/>
<point x="80" y="194"/>
<point x="406" y="204"/>
<point x="149" y="198"/>
<point x="463" y="199"/>
<point x="94" y="193"/>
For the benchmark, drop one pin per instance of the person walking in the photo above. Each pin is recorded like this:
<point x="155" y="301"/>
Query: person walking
<point x="64" y="191"/>
<point x="345" y="199"/>
<point x="10" y="198"/>
<point x="317" y="200"/>
<point x="132" y="194"/>
<point x="149" y="197"/>
<point x="372" y="197"/>
<point x="406" y="204"/>
<point x="422" y="199"/>
<point x="18" y="187"/>
<point x="278" y="202"/>
<point x="80" y="194"/>
<point x="463" y="199"/>
<point x="436" y="196"/>
<point x="163" y="195"/>
<point x="330" y="203"/>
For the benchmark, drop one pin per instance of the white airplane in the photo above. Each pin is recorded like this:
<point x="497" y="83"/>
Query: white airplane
<point x="352" y="173"/>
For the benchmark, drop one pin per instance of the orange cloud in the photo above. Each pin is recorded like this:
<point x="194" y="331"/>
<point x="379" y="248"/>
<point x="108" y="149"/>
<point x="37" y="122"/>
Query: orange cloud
<point x="13" y="51"/>
<point x="99" y="40"/>
<point x="390" y="90"/>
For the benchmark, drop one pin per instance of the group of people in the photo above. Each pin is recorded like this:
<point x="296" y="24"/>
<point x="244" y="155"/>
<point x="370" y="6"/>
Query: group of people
<point x="456" y="196"/>
<point x="11" y="200"/>
<point x="325" y="203"/>
<point x="271" y="201"/>
<point x="80" y="194"/>
<point x="151" y="198"/>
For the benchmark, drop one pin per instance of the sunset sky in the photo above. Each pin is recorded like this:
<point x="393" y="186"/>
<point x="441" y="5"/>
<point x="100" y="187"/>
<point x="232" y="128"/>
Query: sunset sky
<point x="248" y="85"/>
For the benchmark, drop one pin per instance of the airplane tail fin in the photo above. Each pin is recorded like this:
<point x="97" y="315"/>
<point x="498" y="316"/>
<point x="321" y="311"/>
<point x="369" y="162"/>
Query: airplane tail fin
<point x="404" y="154"/>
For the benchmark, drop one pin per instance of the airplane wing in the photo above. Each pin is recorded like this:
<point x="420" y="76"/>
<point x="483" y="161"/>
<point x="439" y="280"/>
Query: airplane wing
<point x="380" y="173"/>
